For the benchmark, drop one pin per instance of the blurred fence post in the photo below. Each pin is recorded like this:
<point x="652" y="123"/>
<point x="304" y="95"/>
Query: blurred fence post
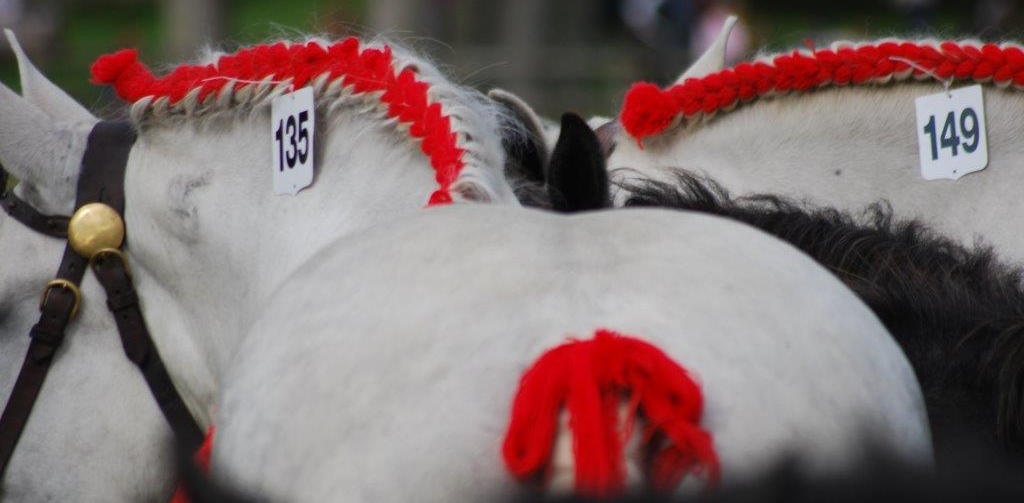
<point x="388" y="16"/>
<point x="189" y="25"/>
<point x="522" y="36"/>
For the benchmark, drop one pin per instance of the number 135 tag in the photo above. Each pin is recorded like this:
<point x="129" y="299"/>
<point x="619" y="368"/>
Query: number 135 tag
<point x="292" y="119"/>
<point x="951" y="133"/>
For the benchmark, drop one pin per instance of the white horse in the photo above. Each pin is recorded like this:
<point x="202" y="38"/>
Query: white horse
<point x="210" y="244"/>
<point x="384" y="368"/>
<point x="836" y="126"/>
<point x="207" y="240"/>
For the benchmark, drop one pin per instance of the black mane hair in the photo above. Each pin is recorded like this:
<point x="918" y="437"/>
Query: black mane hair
<point x="524" y="161"/>
<point x="957" y="312"/>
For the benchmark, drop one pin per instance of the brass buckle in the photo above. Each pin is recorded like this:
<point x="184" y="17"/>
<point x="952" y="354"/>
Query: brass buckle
<point x="115" y="252"/>
<point x="67" y="285"/>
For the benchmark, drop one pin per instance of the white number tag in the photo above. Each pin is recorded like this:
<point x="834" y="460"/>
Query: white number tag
<point x="293" y="121"/>
<point x="951" y="133"/>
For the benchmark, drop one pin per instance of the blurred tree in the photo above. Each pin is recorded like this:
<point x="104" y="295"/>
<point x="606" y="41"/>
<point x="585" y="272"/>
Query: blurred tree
<point x="522" y="43"/>
<point x="190" y="25"/>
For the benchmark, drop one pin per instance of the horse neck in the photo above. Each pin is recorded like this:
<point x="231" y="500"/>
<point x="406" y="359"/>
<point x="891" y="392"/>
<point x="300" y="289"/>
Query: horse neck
<point x="791" y="144"/>
<point x="211" y="241"/>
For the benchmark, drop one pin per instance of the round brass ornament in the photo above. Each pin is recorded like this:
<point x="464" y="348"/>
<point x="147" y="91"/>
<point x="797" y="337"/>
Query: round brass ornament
<point x="95" y="227"/>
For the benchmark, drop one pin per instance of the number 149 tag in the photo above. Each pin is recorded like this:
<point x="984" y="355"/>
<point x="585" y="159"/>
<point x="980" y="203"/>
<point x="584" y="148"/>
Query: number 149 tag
<point x="951" y="133"/>
<point x="292" y="119"/>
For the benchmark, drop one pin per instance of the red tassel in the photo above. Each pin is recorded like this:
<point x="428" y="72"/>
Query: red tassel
<point x="590" y="379"/>
<point x="108" y="68"/>
<point x="440" y="197"/>
<point x="647" y="110"/>
<point x="123" y="70"/>
<point x="202" y="459"/>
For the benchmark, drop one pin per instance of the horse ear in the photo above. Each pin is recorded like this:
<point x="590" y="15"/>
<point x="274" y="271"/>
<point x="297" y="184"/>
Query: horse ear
<point x="607" y="131"/>
<point x="42" y="93"/>
<point x="577" y="176"/>
<point x="532" y="150"/>
<point x="43" y="155"/>
<point x="713" y="59"/>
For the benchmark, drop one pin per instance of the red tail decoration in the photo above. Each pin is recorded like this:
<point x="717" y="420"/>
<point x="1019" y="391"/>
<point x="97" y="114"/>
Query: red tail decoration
<point x="589" y="378"/>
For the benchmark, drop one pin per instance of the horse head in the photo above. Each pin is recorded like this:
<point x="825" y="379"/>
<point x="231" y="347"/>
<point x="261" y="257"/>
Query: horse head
<point x="95" y="429"/>
<point x="44" y="128"/>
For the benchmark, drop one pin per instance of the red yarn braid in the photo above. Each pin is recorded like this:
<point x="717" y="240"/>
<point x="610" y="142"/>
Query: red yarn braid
<point x="648" y="110"/>
<point x="366" y="69"/>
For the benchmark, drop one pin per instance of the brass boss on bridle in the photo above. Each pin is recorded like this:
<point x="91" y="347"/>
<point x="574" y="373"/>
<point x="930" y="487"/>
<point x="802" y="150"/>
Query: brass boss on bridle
<point x="95" y="234"/>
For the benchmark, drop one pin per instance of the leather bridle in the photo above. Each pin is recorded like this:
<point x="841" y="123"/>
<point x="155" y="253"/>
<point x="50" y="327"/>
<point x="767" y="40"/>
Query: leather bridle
<point x="51" y="225"/>
<point x="101" y="181"/>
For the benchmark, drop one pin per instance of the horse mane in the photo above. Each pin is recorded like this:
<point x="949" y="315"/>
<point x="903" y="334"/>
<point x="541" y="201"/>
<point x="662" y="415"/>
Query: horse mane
<point x="957" y="312"/>
<point x="648" y="110"/>
<point x="455" y="127"/>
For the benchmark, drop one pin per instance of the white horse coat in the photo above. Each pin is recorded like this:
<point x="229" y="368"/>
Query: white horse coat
<point x="207" y="244"/>
<point x="384" y="369"/>
<point x="95" y="435"/>
<point x="845" y="147"/>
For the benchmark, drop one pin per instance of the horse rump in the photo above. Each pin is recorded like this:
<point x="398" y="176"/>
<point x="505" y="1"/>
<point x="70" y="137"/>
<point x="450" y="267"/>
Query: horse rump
<point x="957" y="311"/>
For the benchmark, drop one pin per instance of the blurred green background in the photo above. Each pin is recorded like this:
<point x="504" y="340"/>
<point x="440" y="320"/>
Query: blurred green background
<point x="558" y="54"/>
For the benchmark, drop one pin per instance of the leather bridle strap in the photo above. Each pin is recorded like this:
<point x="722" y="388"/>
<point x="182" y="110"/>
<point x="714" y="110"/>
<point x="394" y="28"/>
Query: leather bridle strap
<point x="59" y="302"/>
<point x="112" y="272"/>
<point x="109" y="145"/>
<point x="58" y="305"/>
<point x="51" y="225"/>
<point x="101" y="180"/>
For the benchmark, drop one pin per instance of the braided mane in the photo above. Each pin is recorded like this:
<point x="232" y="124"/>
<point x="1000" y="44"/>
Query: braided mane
<point x="402" y="89"/>
<point x="649" y="111"/>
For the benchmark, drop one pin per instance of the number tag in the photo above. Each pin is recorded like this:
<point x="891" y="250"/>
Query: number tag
<point x="293" y="121"/>
<point x="951" y="133"/>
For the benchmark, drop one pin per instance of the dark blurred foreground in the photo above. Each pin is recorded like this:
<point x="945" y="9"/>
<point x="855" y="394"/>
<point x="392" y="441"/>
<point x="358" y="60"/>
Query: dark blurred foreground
<point x="979" y="476"/>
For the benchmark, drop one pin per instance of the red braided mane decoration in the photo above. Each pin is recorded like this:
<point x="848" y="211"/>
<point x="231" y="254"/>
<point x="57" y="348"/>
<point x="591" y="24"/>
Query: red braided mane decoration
<point x="364" y="69"/>
<point x="649" y="111"/>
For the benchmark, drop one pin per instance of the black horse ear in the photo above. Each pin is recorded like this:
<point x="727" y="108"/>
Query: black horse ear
<point x="577" y="177"/>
